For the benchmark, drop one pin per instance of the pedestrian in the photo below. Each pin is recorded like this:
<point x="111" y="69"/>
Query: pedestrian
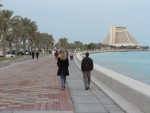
<point x="56" y="54"/>
<point x="86" y="68"/>
<point x="33" y="54"/>
<point x="71" y="55"/>
<point x="50" y="52"/>
<point x="66" y="52"/>
<point x="63" y="65"/>
<point x="37" y="54"/>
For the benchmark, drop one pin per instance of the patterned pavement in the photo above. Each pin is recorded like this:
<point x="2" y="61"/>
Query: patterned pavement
<point x="33" y="86"/>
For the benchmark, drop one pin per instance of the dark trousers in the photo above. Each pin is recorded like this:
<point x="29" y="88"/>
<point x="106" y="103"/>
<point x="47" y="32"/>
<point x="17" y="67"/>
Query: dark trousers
<point x="37" y="55"/>
<point x="32" y="55"/>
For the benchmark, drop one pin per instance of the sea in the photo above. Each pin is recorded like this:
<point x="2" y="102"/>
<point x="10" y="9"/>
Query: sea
<point x="134" y="64"/>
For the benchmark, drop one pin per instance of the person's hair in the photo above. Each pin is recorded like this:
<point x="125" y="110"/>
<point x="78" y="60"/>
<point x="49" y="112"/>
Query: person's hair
<point x="63" y="54"/>
<point x="86" y="54"/>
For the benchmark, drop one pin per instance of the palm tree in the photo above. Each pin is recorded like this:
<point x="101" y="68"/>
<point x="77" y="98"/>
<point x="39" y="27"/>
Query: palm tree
<point x="9" y="39"/>
<point x="16" y="30"/>
<point x="45" y="41"/>
<point x="79" y="45"/>
<point x="6" y="22"/>
<point x="26" y="28"/>
<point x="63" y="42"/>
<point x="49" y="41"/>
<point x="32" y="33"/>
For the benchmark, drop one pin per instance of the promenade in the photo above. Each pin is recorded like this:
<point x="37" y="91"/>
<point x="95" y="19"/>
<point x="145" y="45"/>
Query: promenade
<point x="32" y="86"/>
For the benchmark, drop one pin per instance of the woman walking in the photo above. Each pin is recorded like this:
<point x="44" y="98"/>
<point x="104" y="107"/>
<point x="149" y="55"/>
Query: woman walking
<point x="63" y="65"/>
<point x="56" y="54"/>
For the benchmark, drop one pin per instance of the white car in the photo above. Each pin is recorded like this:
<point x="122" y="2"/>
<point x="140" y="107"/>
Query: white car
<point x="1" y="54"/>
<point x="7" y="55"/>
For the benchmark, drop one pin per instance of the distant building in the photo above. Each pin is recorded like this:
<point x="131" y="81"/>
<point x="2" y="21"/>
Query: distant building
<point x="119" y="36"/>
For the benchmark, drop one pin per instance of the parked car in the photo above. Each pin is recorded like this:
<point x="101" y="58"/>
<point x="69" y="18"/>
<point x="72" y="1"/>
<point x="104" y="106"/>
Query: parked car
<point x="1" y="54"/>
<point x="11" y="52"/>
<point x="7" y="55"/>
<point x="28" y="52"/>
<point x="21" y="53"/>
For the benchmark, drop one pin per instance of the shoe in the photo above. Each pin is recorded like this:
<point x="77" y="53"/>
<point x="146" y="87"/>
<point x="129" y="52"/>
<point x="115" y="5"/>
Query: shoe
<point x="63" y="87"/>
<point x="86" y="88"/>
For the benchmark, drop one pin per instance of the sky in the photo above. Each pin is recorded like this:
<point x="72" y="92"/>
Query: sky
<point x="85" y="20"/>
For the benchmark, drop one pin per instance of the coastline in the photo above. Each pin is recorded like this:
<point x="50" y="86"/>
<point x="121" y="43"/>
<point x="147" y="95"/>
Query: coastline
<point x="131" y="95"/>
<point x="134" y="64"/>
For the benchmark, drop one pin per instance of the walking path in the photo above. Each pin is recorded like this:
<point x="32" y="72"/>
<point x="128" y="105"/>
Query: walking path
<point x="33" y="87"/>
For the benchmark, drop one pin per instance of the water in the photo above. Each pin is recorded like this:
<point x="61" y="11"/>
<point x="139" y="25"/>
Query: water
<point x="135" y="64"/>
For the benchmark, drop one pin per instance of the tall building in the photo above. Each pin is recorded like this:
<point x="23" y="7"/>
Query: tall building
<point x="119" y="36"/>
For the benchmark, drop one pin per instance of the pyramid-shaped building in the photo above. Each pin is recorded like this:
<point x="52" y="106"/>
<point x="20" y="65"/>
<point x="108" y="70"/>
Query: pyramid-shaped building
<point x="119" y="36"/>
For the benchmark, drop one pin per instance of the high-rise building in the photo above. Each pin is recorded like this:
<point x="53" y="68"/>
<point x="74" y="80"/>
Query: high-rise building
<point x="119" y="36"/>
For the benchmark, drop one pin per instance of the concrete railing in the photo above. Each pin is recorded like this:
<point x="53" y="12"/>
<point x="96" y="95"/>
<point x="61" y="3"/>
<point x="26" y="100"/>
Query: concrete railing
<point x="132" y="96"/>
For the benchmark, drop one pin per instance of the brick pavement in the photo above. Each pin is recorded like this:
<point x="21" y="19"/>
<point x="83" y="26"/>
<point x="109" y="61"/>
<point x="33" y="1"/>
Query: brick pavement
<point x="33" y="86"/>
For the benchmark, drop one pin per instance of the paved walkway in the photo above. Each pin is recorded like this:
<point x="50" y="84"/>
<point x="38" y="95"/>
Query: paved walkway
<point x="33" y="87"/>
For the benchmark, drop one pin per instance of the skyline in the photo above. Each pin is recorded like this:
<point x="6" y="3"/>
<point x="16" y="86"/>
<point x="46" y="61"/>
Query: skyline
<point x="85" y="20"/>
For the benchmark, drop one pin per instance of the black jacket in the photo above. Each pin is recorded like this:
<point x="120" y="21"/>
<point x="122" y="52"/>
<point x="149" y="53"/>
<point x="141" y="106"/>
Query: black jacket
<point x="87" y="64"/>
<point x="63" y="67"/>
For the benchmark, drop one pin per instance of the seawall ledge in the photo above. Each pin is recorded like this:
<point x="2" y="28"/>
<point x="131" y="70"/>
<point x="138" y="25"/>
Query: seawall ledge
<point x="131" y="95"/>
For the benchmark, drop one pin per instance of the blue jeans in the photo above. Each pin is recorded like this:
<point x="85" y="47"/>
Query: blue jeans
<point x="63" y="80"/>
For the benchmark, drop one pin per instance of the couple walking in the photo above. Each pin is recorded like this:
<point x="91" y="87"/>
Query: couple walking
<point x="63" y="64"/>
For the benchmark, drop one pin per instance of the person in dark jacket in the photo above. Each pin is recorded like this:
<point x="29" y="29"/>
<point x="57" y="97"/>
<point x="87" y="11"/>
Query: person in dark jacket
<point x="56" y="54"/>
<point x="33" y="54"/>
<point x="37" y="54"/>
<point x="86" y="68"/>
<point x="63" y="64"/>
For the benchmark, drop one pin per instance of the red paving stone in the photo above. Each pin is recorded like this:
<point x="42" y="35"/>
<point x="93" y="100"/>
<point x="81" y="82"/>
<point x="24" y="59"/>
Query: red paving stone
<point x="33" y="85"/>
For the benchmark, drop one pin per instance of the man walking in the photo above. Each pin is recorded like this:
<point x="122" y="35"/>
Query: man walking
<point x="37" y="54"/>
<point x="32" y="54"/>
<point x="86" y="68"/>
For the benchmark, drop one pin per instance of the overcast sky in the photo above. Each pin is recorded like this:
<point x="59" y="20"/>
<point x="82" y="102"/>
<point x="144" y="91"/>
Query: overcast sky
<point x="85" y="20"/>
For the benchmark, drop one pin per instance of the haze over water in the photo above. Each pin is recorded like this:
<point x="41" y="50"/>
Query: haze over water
<point x="135" y="64"/>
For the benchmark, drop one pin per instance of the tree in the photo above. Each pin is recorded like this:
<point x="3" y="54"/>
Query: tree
<point x="63" y="42"/>
<point x="32" y="33"/>
<point x="9" y="38"/>
<point x="6" y="21"/>
<point x="91" y="46"/>
<point x="71" y="46"/>
<point x="79" y="45"/>
<point x="46" y="41"/>
<point x="16" y="30"/>
<point x="25" y="29"/>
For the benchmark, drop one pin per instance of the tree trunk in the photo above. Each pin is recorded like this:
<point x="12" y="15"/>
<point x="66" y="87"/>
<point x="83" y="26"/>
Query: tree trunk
<point x="3" y="44"/>
<point x="31" y="45"/>
<point x="16" y="46"/>
<point x="10" y="46"/>
<point x="24" y="44"/>
<point x="47" y="48"/>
